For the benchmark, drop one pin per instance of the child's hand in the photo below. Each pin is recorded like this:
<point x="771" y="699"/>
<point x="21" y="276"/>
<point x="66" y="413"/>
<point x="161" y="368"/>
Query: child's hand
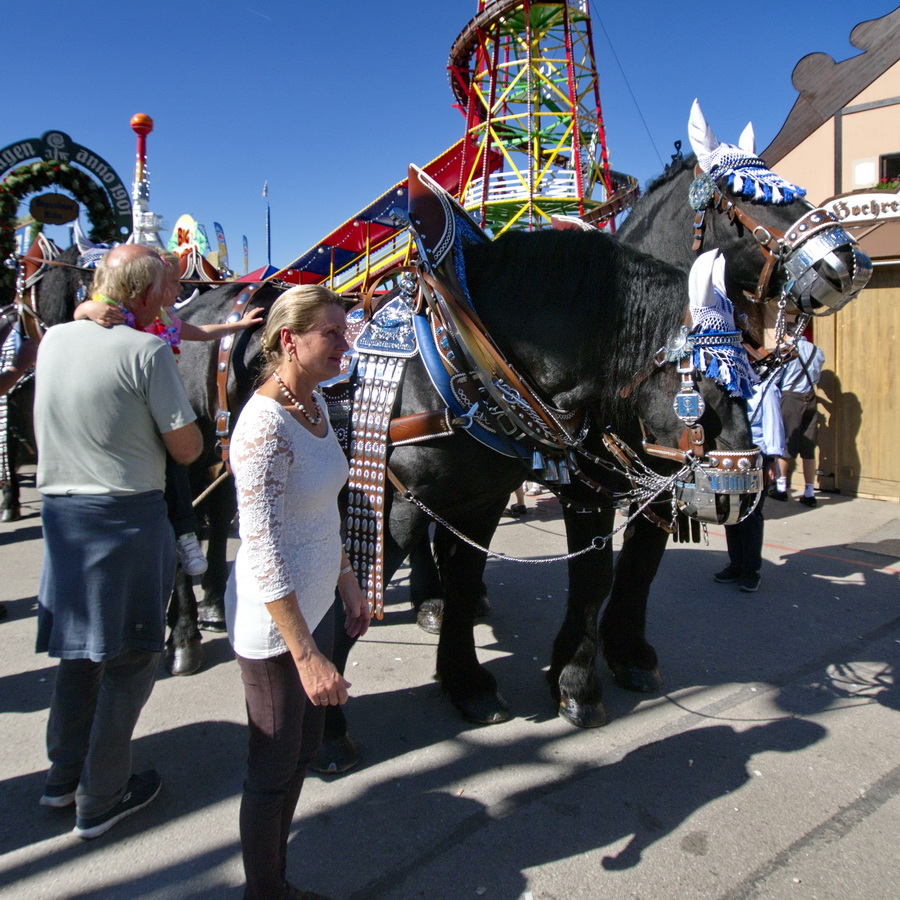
<point x="251" y="317"/>
<point x="101" y="313"/>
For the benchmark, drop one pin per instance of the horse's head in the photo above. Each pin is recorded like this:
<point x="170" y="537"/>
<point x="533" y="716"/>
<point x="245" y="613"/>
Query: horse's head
<point x="692" y="406"/>
<point x="794" y="250"/>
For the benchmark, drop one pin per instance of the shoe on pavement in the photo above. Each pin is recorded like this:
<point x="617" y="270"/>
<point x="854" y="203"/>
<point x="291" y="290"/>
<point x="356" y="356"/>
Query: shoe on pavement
<point x="190" y="554"/>
<point x="775" y="494"/>
<point x="59" y="796"/>
<point x="535" y="491"/>
<point x="728" y="575"/>
<point x="811" y="502"/>
<point x="750" y="582"/>
<point x="516" y="510"/>
<point x="140" y="792"/>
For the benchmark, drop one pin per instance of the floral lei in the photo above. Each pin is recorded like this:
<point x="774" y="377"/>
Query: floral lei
<point x="161" y="326"/>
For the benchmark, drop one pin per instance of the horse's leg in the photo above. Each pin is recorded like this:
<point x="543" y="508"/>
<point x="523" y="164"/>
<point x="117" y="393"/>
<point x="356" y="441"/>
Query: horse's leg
<point x="573" y="667"/>
<point x="10" y="510"/>
<point x="425" y="591"/>
<point x="184" y="655"/>
<point x="632" y="660"/>
<point x="221" y="506"/>
<point x="470" y="687"/>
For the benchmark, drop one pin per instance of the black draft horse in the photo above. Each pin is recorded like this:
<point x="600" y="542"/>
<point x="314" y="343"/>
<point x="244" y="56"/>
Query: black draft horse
<point x="583" y="316"/>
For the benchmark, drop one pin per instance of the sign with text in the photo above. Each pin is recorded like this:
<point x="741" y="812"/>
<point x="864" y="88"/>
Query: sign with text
<point x="865" y="207"/>
<point x="54" y="209"/>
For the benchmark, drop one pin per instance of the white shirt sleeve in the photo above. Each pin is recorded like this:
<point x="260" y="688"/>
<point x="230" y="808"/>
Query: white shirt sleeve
<point x="262" y="457"/>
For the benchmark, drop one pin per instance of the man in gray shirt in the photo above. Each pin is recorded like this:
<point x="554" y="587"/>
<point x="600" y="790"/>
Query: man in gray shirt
<point x="109" y="403"/>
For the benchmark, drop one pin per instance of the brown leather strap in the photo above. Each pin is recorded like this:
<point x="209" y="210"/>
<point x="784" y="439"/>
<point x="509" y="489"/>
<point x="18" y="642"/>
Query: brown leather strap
<point x="222" y="417"/>
<point x="368" y="296"/>
<point x="420" y="427"/>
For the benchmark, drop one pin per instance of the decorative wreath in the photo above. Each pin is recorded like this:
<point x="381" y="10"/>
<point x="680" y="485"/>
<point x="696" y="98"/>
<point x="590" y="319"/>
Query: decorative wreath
<point x="35" y="176"/>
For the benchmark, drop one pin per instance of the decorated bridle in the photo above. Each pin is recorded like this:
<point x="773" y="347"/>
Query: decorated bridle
<point x="812" y="243"/>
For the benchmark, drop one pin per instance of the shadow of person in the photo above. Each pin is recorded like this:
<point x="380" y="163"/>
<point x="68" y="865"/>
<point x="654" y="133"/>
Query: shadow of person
<point x="840" y="421"/>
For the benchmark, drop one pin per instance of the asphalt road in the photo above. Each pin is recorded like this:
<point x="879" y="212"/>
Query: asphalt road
<point x="767" y="766"/>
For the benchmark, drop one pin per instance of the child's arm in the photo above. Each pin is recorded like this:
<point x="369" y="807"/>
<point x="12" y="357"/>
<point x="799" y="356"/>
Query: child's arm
<point x="99" y="312"/>
<point x="191" y="332"/>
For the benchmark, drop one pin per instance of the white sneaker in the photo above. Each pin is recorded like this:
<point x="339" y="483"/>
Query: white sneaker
<point x="534" y="491"/>
<point x="190" y="554"/>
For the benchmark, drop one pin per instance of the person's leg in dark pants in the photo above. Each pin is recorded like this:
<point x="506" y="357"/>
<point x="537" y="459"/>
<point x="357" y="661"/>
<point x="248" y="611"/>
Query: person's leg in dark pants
<point x="71" y="718"/>
<point x="179" y="502"/>
<point x="285" y="732"/>
<point x="125" y="687"/>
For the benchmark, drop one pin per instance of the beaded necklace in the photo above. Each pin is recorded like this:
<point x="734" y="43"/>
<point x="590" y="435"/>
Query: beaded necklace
<point x="287" y="393"/>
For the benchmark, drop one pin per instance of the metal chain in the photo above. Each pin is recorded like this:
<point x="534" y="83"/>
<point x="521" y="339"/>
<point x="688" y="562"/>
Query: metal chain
<point x="597" y="543"/>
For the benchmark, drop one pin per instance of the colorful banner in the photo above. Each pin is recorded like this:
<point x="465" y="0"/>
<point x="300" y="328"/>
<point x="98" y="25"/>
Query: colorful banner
<point x="246" y="256"/>
<point x="223" y="250"/>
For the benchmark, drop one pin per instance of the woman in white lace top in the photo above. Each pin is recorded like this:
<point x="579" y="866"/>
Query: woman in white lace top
<point x="289" y="469"/>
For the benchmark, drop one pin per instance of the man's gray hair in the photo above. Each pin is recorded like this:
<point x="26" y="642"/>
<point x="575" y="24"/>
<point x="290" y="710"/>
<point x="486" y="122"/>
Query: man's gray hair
<point x="125" y="274"/>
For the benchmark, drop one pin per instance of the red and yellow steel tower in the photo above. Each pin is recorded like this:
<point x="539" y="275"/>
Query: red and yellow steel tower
<point x="525" y="76"/>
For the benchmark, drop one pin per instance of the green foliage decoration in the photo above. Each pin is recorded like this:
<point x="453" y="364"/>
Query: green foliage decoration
<point x="36" y="176"/>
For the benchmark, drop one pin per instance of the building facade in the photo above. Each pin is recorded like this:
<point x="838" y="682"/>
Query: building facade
<point x="842" y="142"/>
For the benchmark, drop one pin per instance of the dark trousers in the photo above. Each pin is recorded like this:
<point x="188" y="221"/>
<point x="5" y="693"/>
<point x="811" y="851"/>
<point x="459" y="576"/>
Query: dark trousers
<point x="93" y="712"/>
<point x="178" y="498"/>
<point x="285" y="733"/>
<point x="745" y="540"/>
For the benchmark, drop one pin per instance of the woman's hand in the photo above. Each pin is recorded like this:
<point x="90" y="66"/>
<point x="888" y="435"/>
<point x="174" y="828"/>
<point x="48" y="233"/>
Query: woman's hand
<point x="356" y="606"/>
<point x="324" y="685"/>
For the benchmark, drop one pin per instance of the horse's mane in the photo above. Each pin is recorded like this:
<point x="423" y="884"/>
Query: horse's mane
<point x="672" y="171"/>
<point x="582" y="297"/>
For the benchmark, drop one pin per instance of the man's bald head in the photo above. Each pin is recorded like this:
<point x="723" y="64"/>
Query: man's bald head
<point x="127" y="273"/>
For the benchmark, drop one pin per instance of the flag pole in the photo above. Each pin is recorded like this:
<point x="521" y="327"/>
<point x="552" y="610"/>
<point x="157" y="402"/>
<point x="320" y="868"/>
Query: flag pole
<point x="268" y="224"/>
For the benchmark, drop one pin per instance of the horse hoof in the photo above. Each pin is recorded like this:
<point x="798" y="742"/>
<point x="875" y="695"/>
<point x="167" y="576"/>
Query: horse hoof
<point x="336" y="757"/>
<point x="184" y="660"/>
<point x="582" y="715"/>
<point x="488" y="710"/>
<point x="644" y="681"/>
<point x="13" y="514"/>
<point x="429" y="616"/>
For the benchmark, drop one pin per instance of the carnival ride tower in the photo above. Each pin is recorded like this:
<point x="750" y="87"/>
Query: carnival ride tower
<point x="147" y="224"/>
<point x="525" y="77"/>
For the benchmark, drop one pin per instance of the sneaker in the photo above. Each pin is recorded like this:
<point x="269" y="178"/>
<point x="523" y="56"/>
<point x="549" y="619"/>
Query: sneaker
<point x="728" y="575"/>
<point x="190" y="554"/>
<point x="516" y="510"/>
<point x="534" y="491"/>
<point x="811" y="502"/>
<point x="750" y="582"/>
<point x="775" y="494"/>
<point x="59" y="795"/>
<point x="141" y="791"/>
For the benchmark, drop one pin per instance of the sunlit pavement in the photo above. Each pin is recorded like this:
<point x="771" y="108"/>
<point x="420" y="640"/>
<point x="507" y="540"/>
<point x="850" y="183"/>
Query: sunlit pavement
<point x="767" y="767"/>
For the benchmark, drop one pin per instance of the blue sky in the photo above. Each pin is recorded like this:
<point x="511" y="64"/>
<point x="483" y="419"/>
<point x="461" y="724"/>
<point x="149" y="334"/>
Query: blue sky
<point x="329" y="102"/>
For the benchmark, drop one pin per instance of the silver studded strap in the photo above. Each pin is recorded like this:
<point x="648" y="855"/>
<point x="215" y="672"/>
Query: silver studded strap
<point x="379" y="377"/>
